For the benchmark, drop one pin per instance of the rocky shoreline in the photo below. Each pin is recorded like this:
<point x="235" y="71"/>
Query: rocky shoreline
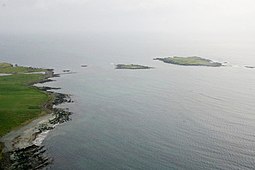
<point x="23" y="147"/>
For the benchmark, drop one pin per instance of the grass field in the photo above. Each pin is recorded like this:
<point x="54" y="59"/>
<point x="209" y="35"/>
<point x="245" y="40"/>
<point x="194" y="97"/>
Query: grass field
<point x="19" y="101"/>
<point x="10" y="69"/>
<point x="5" y="65"/>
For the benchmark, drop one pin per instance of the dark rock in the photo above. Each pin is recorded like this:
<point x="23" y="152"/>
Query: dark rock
<point x="61" y="116"/>
<point x="45" y="88"/>
<point x="249" y="66"/>
<point x="66" y="71"/>
<point x="61" y="98"/>
<point x="32" y="157"/>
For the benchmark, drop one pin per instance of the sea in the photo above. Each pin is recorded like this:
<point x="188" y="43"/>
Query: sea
<point x="168" y="117"/>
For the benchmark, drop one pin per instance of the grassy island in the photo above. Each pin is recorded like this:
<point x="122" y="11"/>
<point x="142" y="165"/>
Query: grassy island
<point x="131" y="66"/>
<point x="189" y="61"/>
<point x="20" y="101"/>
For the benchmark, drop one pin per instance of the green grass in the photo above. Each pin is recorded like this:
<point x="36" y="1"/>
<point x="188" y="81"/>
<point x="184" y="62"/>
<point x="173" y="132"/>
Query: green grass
<point x="10" y="69"/>
<point x="19" y="101"/>
<point x="190" y="61"/>
<point x="5" y="65"/>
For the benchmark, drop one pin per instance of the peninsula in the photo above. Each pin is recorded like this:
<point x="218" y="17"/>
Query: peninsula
<point x="22" y="103"/>
<point x="132" y="66"/>
<point x="189" y="61"/>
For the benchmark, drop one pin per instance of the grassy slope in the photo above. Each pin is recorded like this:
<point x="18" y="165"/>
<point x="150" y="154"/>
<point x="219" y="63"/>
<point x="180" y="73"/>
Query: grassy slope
<point x="19" y="102"/>
<point x="19" y="69"/>
<point x="5" y="65"/>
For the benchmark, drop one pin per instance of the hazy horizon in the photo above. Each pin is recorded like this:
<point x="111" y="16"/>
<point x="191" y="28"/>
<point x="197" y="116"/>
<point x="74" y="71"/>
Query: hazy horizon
<point x="179" y="115"/>
<point x="219" y="20"/>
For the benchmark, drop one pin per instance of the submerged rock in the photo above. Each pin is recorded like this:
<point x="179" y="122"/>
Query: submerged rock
<point x="32" y="157"/>
<point x="66" y="71"/>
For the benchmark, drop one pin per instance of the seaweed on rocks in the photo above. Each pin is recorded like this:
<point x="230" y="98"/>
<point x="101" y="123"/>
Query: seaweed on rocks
<point x="46" y="88"/>
<point x="61" y="116"/>
<point x="32" y="157"/>
<point x="5" y="162"/>
<point x="60" y="98"/>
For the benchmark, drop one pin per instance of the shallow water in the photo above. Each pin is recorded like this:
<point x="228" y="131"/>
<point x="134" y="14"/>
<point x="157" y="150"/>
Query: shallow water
<point x="170" y="117"/>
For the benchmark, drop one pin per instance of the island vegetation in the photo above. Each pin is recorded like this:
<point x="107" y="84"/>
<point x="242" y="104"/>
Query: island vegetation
<point x="131" y="66"/>
<point x="190" y="61"/>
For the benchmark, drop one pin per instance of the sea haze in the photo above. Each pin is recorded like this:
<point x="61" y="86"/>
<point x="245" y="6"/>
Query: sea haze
<point x="169" y="117"/>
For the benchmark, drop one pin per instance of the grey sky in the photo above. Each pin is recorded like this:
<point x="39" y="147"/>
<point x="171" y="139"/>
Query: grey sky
<point x="202" y="17"/>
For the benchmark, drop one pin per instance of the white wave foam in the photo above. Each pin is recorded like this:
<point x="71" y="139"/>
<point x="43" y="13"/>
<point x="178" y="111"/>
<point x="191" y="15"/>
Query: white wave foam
<point x="40" y="138"/>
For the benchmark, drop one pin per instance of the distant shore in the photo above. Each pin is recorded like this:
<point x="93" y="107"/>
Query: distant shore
<point x="189" y="61"/>
<point x="132" y="66"/>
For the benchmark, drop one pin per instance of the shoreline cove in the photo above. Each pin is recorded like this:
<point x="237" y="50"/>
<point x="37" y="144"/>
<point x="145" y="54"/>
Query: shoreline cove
<point x="23" y="147"/>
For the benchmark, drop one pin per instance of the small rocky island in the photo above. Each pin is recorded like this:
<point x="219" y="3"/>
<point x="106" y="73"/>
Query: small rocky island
<point x="132" y="66"/>
<point x="189" y="61"/>
<point x="249" y="66"/>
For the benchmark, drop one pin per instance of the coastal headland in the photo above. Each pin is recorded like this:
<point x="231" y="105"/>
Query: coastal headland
<point x="26" y="112"/>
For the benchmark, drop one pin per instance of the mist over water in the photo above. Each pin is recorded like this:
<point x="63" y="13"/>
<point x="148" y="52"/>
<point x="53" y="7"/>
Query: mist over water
<point x="100" y="49"/>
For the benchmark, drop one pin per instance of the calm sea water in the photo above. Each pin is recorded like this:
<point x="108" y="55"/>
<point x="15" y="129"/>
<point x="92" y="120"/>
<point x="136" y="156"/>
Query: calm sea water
<point x="170" y="117"/>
